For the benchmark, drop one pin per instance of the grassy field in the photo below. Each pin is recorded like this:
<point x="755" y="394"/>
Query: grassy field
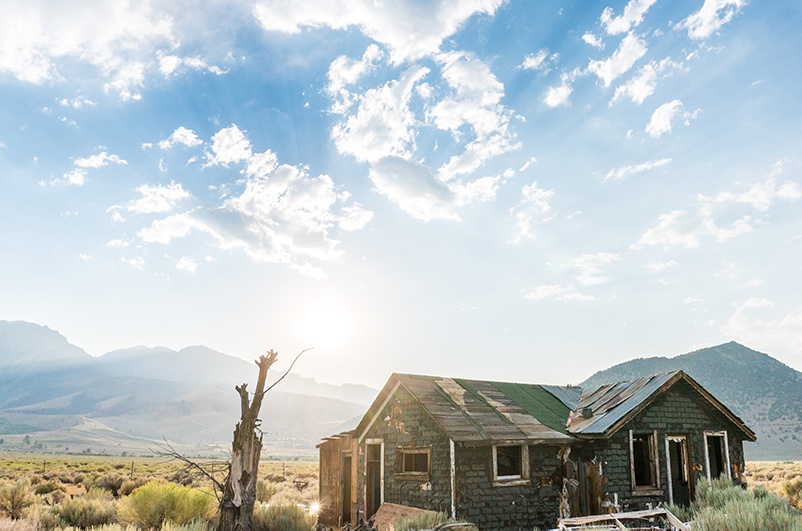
<point x="82" y="491"/>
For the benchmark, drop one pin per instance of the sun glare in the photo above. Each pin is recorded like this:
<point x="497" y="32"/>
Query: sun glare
<point x="323" y="325"/>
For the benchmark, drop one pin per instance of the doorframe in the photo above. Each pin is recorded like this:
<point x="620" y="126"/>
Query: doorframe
<point x="722" y="434"/>
<point x="685" y="447"/>
<point x="377" y="442"/>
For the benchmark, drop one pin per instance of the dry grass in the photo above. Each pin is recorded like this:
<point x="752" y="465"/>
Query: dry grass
<point x="779" y="477"/>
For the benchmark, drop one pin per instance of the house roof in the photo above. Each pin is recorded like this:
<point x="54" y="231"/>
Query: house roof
<point x="478" y="412"/>
<point x="613" y="405"/>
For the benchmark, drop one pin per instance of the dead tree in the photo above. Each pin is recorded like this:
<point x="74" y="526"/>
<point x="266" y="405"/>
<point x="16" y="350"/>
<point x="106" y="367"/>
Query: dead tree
<point x="239" y="490"/>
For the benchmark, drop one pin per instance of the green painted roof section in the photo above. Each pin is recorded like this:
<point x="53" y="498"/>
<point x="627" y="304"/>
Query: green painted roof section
<point x="539" y="403"/>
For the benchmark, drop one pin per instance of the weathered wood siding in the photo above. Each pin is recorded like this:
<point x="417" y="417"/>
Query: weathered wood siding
<point x="331" y="480"/>
<point x="678" y="411"/>
<point x="535" y="504"/>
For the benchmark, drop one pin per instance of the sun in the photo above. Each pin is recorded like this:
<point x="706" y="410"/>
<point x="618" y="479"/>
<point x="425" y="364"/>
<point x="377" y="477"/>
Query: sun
<point x="323" y="325"/>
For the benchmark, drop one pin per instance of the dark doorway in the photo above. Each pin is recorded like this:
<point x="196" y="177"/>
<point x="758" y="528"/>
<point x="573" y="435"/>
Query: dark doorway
<point x="373" y="479"/>
<point x="680" y="471"/>
<point x="345" y="486"/>
<point x="715" y="455"/>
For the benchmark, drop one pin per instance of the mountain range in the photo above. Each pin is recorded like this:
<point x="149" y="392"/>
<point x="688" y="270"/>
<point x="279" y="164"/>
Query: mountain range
<point x="56" y="397"/>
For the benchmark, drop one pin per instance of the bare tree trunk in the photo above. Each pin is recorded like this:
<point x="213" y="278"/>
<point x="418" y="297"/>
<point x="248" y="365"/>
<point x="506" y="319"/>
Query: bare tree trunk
<point x="239" y="492"/>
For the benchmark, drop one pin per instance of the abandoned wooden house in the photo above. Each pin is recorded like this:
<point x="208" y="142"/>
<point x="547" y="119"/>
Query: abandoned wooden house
<point x="509" y="455"/>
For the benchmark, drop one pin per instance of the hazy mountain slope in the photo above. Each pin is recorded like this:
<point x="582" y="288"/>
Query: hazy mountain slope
<point x="764" y="392"/>
<point x="28" y="345"/>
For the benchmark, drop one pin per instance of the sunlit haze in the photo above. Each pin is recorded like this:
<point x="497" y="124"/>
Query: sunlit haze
<point x="511" y="190"/>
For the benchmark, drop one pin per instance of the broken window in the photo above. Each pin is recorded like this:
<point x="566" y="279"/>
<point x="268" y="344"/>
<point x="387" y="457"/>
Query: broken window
<point x="717" y="455"/>
<point x="510" y="462"/>
<point x="643" y="460"/>
<point x="413" y="461"/>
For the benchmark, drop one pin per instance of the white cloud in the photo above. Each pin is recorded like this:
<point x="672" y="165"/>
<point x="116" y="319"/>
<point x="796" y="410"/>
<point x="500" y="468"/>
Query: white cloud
<point x="137" y="262"/>
<point x="593" y="40"/>
<point x="589" y="266"/>
<point x="643" y="84"/>
<point x="710" y="18"/>
<point x="157" y="198"/>
<point x="187" y="263"/>
<point x="681" y="228"/>
<point x="182" y="135"/>
<point x="629" y="51"/>
<point x="540" y="60"/>
<point x="118" y="243"/>
<point x="659" y="267"/>
<point x="413" y="188"/>
<point x="556" y="96"/>
<point x="411" y="30"/>
<point x="282" y="215"/>
<point x="616" y="174"/>
<point x="77" y="176"/>
<point x="344" y="72"/>
<point x="170" y="64"/>
<point x="777" y="332"/>
<point x="693" y="299"/>
<point x="41" y="41"/>
<point x="534" y="205"/>
<point x="383" y="124"/>
<point x="632" y="16"/>
<point x="475" y="102"/>
<point x="76" y="103"/>
<point x="558" y="293"/>
<point x="663" y="118"/>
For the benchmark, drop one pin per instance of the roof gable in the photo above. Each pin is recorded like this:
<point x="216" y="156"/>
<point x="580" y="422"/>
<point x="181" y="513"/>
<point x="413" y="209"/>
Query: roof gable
<point x="613" y="405"/>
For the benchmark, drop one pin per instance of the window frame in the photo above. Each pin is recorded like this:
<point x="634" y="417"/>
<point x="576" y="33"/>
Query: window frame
<point x="402" y="474"/>
<point x="653" y="488"/>
<point x="726" y="451"/>
<point x="517" y="479"/>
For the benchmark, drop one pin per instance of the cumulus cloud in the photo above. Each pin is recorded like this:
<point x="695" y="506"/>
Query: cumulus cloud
<point x="187" y="263"/>
<point x="616" y="174"/>
<point x="41" y="40"/>
<point x="282" y="214"/>
<point x="710" y="18"/>
<point x="593" y="40"/>
<point x="183" y="136"/>
<point x="533" y="207"/>
<point x="664" y="117"/>
<point x="632" y="16"/>
<point x="156" y="198"/>
<point x="559" y="95"/>
<point x="643" y="84"/>
<point x="411" y="30"/>
<point x="344" y="72"/>
<point x="689" y="228"/>
<point x="626" y="55"/>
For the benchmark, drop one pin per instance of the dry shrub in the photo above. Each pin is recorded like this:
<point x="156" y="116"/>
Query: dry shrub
<point x="86" y="512"/>
<point x="16" y="498"/>
<point x="129" y="485"/>
<point x="286" y="516"/>
<point x="265" y="490"/>
<point x="428" y="520"/>
<point x="793" y="491"/>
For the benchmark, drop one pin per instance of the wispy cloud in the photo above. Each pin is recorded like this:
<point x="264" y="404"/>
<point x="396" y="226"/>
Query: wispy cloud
<point x="77" y="176"/>
<point x="632" y="16"/>
<point x="616" y="174"/>
<point x="557" y="292"/>
<point x="631" y="49"/>
<point x="542" y="61"/>
<point x="757" y="322"/>
<point x="533" y="207"/>
<point x="643" y="84"/>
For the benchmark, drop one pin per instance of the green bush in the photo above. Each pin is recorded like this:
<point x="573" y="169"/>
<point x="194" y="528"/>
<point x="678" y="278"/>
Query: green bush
<point x="721" y="506"/>
<point x="284" y="516"/>
<point x="86" y="512"/>
<point x="129" y="485"/>
<point x="46" y="487"/>
<point x="156" y="503"/>
<point x="15" y="498"/>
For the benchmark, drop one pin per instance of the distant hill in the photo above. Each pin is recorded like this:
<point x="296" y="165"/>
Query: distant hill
<point x="763" y="391"/>
<point x="128" y="400"/>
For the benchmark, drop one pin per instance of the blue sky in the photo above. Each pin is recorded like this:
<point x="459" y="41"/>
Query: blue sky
<point x="513" y="190"/>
